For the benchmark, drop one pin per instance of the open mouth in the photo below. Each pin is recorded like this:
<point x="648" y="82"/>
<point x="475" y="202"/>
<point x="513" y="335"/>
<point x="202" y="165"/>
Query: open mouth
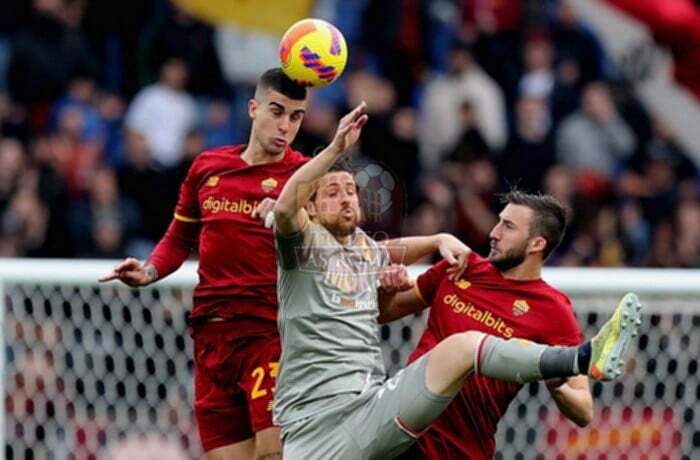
<point x="279" y="142"/>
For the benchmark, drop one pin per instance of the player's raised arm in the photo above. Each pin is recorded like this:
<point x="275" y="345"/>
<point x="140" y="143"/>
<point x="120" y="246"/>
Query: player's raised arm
<point x="289" y="212"/>
<point x="410" y="249"/>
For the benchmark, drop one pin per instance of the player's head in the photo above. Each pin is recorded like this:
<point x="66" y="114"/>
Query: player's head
<point x="276" y="110"/>
<point x="530" y="226"/>
<point x="335" y="203"/>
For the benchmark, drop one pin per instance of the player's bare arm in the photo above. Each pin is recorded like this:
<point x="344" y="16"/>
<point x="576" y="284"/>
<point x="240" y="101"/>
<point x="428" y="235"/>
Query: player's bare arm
<point x="397" y="294"/>
<point x="133" y="273"/>
<point x="410" y="249"/>
<point x="573" y="398"/>
<point x="289" y="212"/>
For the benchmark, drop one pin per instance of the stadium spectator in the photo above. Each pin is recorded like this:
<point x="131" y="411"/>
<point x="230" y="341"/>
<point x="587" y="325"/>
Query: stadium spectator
<point x="635" y="233"/>
<point x="475" y="183"/>
<point x="471" y="144"/>
<point x="13" y="160"/>
<point x="137" y="178"/>
<point x="217" y="127"/>
<point x="687" y="242"/>
<point x="538" y="75"/>
<point x="23" y="218"/>
<point x="102" y="221"/>
<point x="164" y="113"/>
<point x="74" y="157"/>
<point x="594" y="141"/>
<point x="402" y="154"/>
<point x="575" y="42"/>
<point x="380" y="96"/>
<point x="81" y="96"/>
<point x="181" y="36"/>
<point x="530" y="148"/>
<point x="46" y="53"/>
<point x="439" y="127"/>
<point x="111" y="108"/>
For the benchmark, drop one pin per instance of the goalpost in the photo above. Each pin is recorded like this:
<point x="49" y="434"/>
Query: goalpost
<point x="94" y="371"/>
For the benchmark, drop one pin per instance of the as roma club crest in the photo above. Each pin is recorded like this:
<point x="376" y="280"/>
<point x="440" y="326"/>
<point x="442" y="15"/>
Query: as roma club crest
<point x="269" y="184"/>
<point x="520" y="307"/>
<point x="463" y="284"/>
<point x="213" y="181"/>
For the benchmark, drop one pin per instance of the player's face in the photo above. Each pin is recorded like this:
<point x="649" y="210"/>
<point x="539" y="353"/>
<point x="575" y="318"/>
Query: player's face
<point x="276" y="120"/>
<point x="336" y="205"/>
<point x="510" y="238"/>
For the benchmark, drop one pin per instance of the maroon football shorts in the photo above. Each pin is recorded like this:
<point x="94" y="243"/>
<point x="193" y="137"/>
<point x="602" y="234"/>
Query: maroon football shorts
<point x="235" y="369"/>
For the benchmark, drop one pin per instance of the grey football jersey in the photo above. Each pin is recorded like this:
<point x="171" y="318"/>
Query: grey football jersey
<point x="327" y="318"/>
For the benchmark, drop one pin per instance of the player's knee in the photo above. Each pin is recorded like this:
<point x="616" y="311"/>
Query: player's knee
<point x="464" y="345"/>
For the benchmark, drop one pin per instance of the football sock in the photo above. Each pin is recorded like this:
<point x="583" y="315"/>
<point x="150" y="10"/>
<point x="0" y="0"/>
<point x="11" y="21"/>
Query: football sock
<point x="584" y="358"/>
<point x="522" y="361"/>
<point x="559" y="362"/>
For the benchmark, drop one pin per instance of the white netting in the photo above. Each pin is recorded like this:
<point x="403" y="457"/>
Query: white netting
<point x="91" y="372"/>
<point x="105" y="372"/>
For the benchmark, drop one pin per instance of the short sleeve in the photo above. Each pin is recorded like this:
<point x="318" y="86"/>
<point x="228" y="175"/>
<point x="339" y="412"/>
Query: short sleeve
<point x="427" y="284"/>
<point x="287" y="246"/>
<point x="293" y="250"/>
<point x="187" y="209"/>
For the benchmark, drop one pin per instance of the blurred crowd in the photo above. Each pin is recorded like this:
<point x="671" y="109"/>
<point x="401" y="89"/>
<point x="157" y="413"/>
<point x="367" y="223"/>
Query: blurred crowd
<point x="103" y="106"/>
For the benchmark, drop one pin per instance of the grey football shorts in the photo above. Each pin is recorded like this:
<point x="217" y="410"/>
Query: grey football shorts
<point x="379" y="423"/>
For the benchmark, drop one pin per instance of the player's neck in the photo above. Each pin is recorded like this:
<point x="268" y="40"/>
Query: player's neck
<point x="342" y="239"/>
<point x="529" y="270"/>
<point x="254" y="154"/>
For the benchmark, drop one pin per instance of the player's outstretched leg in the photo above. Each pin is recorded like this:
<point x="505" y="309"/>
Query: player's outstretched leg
<point x="522" y="361"/>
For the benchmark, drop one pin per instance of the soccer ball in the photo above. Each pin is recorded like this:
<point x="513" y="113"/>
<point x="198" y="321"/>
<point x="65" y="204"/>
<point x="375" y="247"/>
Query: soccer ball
<point x="313" y="53"/>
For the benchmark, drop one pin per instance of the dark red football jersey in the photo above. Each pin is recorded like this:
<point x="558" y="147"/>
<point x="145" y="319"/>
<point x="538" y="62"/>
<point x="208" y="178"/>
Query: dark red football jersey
<point x="483" y="300"/>
<point x="236" y="252"/>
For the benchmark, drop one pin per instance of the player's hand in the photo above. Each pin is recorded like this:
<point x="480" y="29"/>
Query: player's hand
<point x="455" y="253"/>
<point x="264" y="211"/>
<point x="349" y="128"/>
<point x="394" y="278"/>
<point x="132" y="273"/>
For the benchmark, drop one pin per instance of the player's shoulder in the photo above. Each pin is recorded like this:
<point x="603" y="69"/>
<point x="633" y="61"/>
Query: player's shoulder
<point x="215" y="158"/>
<point x="480" y="265"/>
<point x="557" y="298"/>
<point x="224" y="152"/>
<point x="296" y="155"/>
<point x="294" y="158"/>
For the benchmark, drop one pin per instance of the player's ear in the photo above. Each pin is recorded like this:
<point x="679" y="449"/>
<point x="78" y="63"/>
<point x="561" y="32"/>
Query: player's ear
<point x="252" y="106"/>
<point x="538" y="244"/>
<point x="311" y="209"/>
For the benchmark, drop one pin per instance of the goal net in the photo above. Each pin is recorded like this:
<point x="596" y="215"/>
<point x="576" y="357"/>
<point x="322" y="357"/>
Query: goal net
<point x="105" y="372"/>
